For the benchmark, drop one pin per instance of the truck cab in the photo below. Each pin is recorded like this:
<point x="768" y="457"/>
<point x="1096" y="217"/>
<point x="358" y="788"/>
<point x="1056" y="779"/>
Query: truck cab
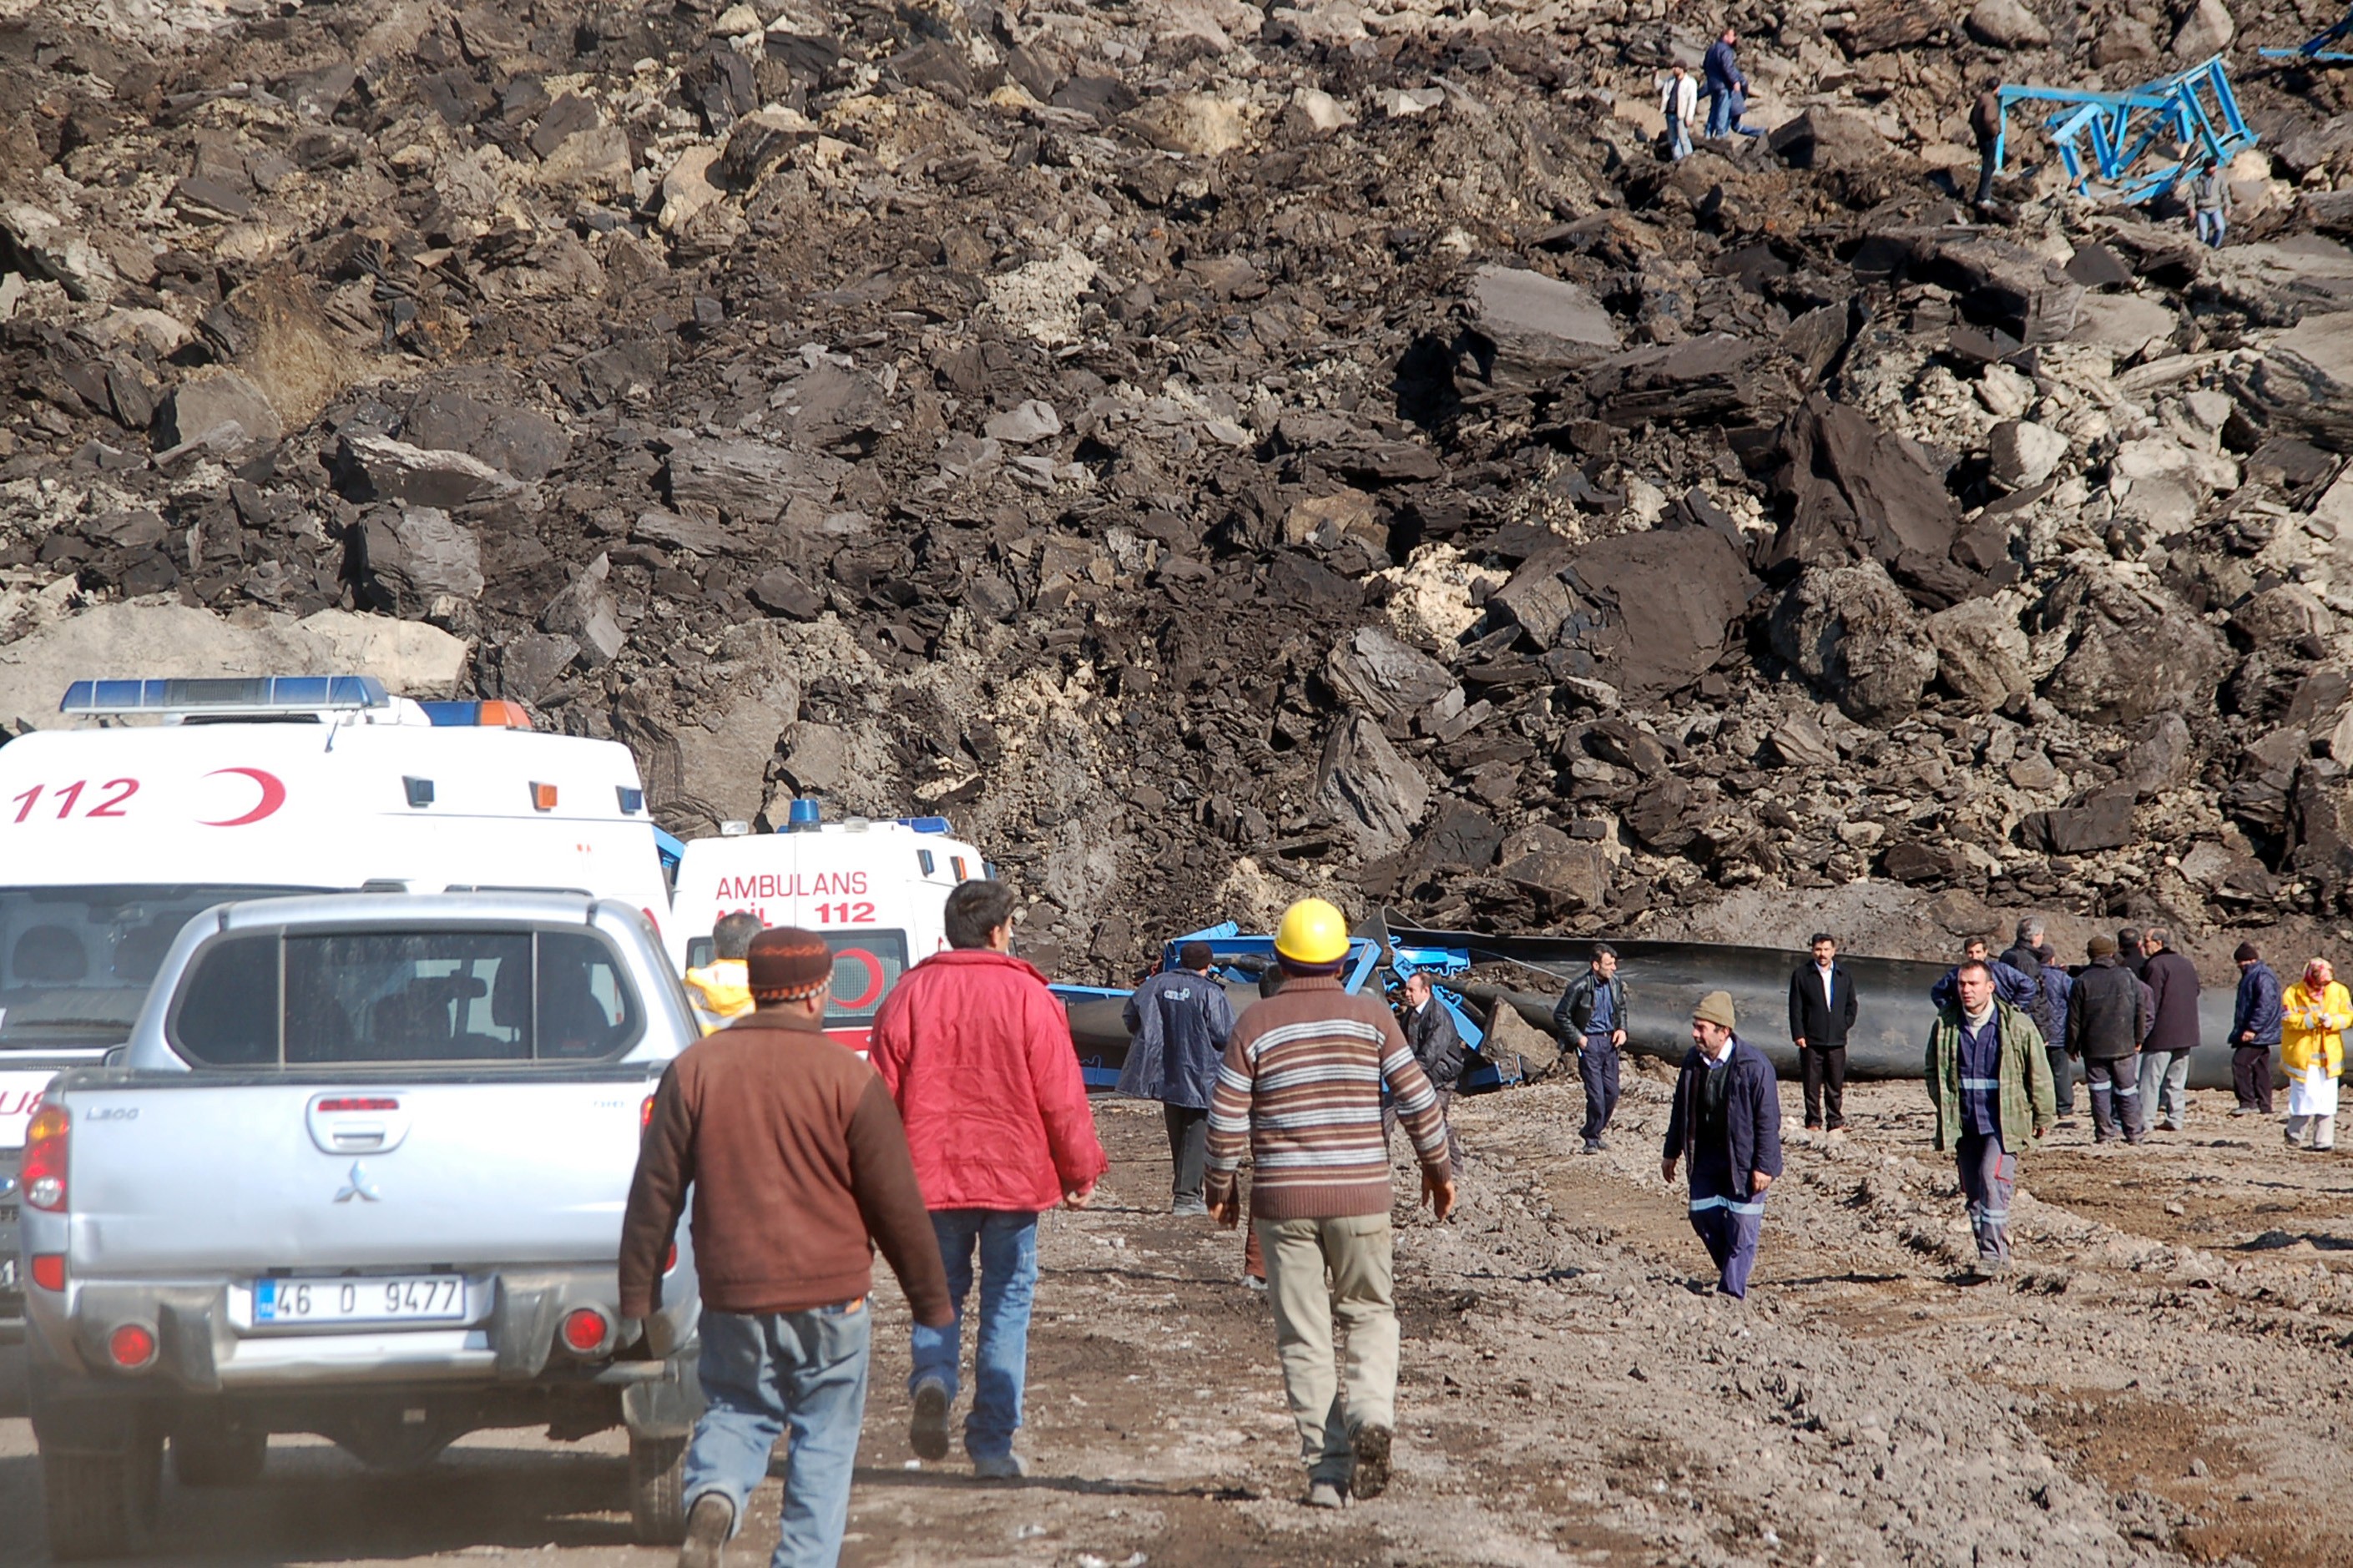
<point x="875" y="890"/>
<point x="157" y="799"/>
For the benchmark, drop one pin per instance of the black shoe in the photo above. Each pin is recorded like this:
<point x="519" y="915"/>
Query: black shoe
<point x="927" y="1433"/>
<point x="1372" y="1477"/>
<point x="708" y="1527"/>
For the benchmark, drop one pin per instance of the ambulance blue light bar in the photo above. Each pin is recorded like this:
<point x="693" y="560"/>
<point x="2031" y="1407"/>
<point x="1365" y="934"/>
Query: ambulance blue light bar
<point x="491" y="715"/>
<point x="240" y="694"/>
<point x="925" y="824"/>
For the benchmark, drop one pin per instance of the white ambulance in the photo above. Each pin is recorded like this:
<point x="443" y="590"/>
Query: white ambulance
<point x="876" y="891"/>
<point x="173" y="795"/>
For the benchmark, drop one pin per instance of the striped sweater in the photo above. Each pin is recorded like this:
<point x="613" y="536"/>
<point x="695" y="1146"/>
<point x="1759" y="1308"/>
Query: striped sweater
<point x="1300" y="1090"/>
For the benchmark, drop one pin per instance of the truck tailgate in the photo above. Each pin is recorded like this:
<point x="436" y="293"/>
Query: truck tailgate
<point x="196" y="1177"/>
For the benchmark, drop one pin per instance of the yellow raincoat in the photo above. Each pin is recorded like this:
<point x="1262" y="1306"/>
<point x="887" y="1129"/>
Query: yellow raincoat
<point x="2312" y="1028"/>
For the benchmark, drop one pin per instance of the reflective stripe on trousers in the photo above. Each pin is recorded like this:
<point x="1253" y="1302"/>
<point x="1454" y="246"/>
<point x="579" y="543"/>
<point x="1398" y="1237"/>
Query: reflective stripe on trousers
<point x="1700" y="1204"/>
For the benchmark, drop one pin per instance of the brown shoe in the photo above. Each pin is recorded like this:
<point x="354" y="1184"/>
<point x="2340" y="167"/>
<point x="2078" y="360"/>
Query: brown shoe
<point x="1372" y="1477"/>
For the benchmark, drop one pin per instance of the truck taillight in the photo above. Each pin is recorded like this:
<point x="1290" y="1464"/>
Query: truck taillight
<point x="646" y="1114"/>
<point x="49" y="1270"/>
<point x="586" y="1331"/>
<point x="44" y="1158"/>
<point x="670" y="1263"/>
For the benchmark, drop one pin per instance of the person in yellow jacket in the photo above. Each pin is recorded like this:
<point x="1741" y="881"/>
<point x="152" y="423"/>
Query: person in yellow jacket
<point x="721" y="990"/>
<point x="2314" y="1016"/>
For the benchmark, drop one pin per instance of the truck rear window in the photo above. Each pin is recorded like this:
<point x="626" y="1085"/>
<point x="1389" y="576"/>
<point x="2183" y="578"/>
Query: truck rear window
<point x="389" y="997"/>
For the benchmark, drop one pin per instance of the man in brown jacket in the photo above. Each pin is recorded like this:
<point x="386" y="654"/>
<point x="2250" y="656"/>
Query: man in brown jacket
<point x="799" y="1168"/>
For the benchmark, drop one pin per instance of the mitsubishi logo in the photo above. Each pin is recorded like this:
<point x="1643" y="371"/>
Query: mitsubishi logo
<point x="359" y="1187"/>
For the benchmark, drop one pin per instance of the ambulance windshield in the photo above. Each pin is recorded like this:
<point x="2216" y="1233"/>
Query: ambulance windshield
<point x="76" y="963"/>
<point x="866" y="964"/>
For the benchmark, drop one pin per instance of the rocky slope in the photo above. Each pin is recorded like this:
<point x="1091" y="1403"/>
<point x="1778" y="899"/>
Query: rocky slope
<point x="1211" y="451"/>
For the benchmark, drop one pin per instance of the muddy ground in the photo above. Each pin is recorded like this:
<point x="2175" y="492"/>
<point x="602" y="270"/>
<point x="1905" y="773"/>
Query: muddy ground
<point x="2163" y="1380"/>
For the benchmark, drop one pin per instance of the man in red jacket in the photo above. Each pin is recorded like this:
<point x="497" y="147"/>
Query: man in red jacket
<point x="977" y="1054"/>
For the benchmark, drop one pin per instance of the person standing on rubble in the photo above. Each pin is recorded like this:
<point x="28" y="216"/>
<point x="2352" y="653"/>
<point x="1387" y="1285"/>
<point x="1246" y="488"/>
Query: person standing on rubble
<point x="1680" y="103"/>
<point x="1727" y="87"/>
<point x="1823" y="1010"/>
<point x="1591" y="1019"/>
<point x="2209" y="200"/>
<point x="1180" y="1022"/>
<point x="1300" y="1090"/>
<point x="1990" y="1085"/>
<point x="1726" y="1121"/>
<point x="2108" y="1015"/>
<point x="719" y="990"/>
<point x="2255" y="1032"/>
<point x="1985" y="125"/>
<point x="1437" y="1046"/>
<point x="977" y="1054"/>
<point x="2315" y="1015"/>
<point x="795" y="1164"/>
<point x="2172" y="981"/>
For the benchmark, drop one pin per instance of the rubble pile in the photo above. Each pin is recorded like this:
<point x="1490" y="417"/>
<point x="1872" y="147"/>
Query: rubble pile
<point x="1212" y="451"/>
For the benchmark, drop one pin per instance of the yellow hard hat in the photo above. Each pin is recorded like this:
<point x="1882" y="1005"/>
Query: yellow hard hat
<point x="1311" y="932"/>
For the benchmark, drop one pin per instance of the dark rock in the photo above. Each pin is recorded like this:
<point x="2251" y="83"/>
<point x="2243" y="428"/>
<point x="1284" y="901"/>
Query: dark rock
<point x="749" y="481"/>
<point x="1828" y="138"/>
<point x="378" y="468"/>
<point x="1375" y="794"/>
<point x="409" y="555"/>
<point x="1856" y="490"/>
<point x="1530" y="328"/>
<point x="781" y="592"/>
<point x="2103" y="822"/>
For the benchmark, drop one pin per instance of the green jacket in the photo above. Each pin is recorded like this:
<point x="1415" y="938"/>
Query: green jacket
<point x="2028" y="1104"/>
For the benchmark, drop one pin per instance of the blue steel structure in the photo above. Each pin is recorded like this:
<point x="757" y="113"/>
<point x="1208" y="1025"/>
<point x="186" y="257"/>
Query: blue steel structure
<point x="2103" y="137"/>
<point x="2315" y="50"/>
<point x="1362" y="968"/>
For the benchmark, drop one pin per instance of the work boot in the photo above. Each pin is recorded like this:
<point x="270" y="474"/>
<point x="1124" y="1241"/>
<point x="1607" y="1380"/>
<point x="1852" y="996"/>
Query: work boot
<point x="1372" y="1445"/>
<point x="708" y="1526"/>
<point x="1006" y="1467"/>
<point x="927" y="1431"/>
<point x="1323" y="1494"/>
<point x="1189" y="1207"/>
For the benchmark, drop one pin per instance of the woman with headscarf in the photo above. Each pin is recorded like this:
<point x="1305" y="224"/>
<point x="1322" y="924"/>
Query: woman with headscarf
<point x="2314" y="1013"/>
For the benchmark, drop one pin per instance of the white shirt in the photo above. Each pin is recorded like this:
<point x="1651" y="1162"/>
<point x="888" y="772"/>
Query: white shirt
<point x="1680" y="97"/>
<point x="1826" y="971"/>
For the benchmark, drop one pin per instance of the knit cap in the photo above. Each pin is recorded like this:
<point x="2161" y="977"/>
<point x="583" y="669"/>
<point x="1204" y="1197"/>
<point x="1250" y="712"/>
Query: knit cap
<point x="2101" y="947"/>
<point x="2246" y="954"/>
<point x="788" y="963"/>
<point x="1716" y="1008"/>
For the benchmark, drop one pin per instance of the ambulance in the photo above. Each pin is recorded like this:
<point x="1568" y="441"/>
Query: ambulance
<point x="877" y="891"/>
<point x="168" y="796"/>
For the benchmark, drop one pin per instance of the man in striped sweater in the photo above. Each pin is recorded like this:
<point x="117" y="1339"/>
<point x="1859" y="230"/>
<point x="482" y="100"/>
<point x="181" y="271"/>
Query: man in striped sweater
<point x="1300" y="1090"/>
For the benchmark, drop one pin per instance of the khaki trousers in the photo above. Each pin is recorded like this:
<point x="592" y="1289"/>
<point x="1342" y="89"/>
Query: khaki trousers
<point x="1319" y="1271"/>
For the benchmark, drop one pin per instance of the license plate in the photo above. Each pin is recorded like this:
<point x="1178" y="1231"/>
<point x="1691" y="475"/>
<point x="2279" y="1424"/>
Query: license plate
<point x="7" y="1213"/>
<point x="426" y="1299"/>
<point x="7" y="1274"/>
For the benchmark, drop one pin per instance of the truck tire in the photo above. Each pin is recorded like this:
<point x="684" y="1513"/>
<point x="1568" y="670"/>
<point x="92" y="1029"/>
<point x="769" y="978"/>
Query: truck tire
<point x="217" y="1454"/>
<point x="657" y="1489"/>
<point x="102" y="1504"/>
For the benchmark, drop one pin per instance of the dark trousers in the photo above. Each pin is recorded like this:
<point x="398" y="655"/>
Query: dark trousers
<point x="1188" y="1147"/>
<point x="1989" y="1177"/>
<point x="1446" y="1110"/>
<point x="1727" y="1222"/>
<point x="2250" y="1077"/>
<point x="2116" y="1098"/>
<point x="2063" y="1079"/>
<point x="1985" y="172"/>
<point x="1825" y="1069"/>
<point x="1597" y="1064"/>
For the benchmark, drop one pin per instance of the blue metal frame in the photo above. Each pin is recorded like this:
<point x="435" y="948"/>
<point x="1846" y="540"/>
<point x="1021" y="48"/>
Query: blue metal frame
<point x="2315" y="49"/>
<point x="2101" y="136"/>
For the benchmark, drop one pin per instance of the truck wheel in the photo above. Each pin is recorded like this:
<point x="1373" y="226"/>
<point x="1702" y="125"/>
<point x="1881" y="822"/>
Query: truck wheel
<point x="218" y="1456"/>
<point x="102" y="1504"/>
<point x="657" y="1489"/>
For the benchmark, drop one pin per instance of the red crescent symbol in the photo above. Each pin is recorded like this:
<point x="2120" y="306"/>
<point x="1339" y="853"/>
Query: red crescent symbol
<point x="873" y="967"/>
<point x="273" y="796"/>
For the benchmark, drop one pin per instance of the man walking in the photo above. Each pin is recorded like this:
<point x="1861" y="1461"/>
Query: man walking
<point x="2013" y="985"/>
<point x="1180" y="1022"/>
<point x="1438" y="1051"/>
<point x="1727" y="87"/>
<point x="1726" y="1121"/>
<point x="1990" y="1085"/>
<point x="1821" y="1011"/>
<point x="1680" y="103"/>
<point x="1300" y="1091"/>
<point x="718" y="990"/>
<point x="2172" y="981"/>
<point x="2209" y="197"/>
<point x="976" y="1052"/>
<point x="1591" y="1019"/>
<point x="2255" y="1032"/>
<point x="1985" y="125"/>
<point x="798" y="1168"/>
<point x="2108" y="1015"/>
<point x="2058" y="994"/>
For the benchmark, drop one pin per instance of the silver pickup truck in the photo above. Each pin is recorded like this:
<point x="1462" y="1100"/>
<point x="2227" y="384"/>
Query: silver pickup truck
<point x="360" y="1173"/>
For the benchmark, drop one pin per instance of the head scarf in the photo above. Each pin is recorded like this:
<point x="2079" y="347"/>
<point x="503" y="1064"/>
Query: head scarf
<point x="2316" y="975"/>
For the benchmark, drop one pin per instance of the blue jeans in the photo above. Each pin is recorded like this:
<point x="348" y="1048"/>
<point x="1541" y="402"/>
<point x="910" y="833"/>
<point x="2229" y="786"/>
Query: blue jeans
<point x="1679" y="145"/>
<point x="1719" y="111"/>
<point x="801" y="1372"/>
<point x="2211" y="225"/>
<point x="1009" y="1281"/>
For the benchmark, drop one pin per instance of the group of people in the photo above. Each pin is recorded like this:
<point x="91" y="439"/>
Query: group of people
<point x="1721" y="82"/>
<point x="793" y="1162"/>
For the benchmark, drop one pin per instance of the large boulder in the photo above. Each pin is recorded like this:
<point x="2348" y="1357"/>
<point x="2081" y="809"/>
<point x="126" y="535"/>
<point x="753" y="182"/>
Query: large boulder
<point x="1647" y="613"/>
<point x="2133" y="648"/>
<point x="2305" y="380"/>
<point x="2023" y="454"/>
<point x="750" y="480"/>
<point x="378" y="468"/>
<point x="2207" y="29"/>
<point x="1828" y="138"/>
<point x="1856" y="488"/>
<point x="220" y="408"/>
<point x="411" y="555"/>
<point x="1531" y="328"/>
<point x="2006" y="24"/>
<point x="1376" y="796"/>
<point x="1982" y="655"/>
<point x="1384" y="676"/>
<point x="1852" y="633"/>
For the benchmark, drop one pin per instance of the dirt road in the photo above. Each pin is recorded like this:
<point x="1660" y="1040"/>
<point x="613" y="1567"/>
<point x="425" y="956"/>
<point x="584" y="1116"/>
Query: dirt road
<point x="2164" y="1380"/>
